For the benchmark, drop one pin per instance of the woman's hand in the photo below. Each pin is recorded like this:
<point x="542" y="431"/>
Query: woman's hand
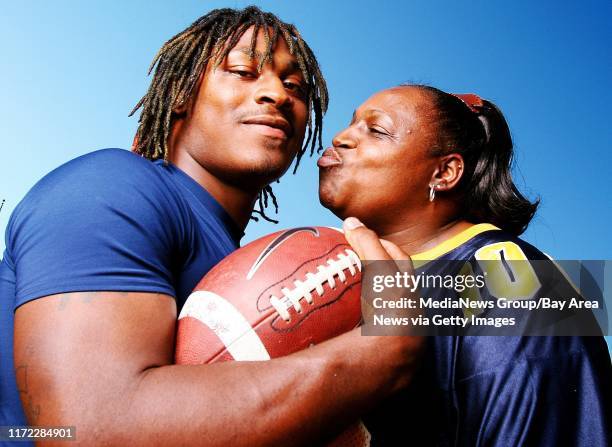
<point x="402" y="350"/>
<point x="367" y="244"/>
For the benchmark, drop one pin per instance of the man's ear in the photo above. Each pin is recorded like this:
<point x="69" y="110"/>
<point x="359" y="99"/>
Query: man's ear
<point x="134" y="142"/>
<point x="180" y="108"/>
<point x="448" y="173"/>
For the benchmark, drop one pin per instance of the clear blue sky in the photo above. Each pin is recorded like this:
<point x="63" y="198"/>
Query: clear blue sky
<point x="72" y="70"/>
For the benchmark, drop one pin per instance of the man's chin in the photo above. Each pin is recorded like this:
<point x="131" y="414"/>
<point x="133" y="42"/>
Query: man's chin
<point x="268" y="154"/>
<point x="268" y="174"/>
<point x="255" y="174"/>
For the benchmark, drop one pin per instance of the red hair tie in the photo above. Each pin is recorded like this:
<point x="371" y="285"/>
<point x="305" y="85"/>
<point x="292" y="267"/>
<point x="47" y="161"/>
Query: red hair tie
<point x="471" y="100"/>
<point x="474" y="102"/>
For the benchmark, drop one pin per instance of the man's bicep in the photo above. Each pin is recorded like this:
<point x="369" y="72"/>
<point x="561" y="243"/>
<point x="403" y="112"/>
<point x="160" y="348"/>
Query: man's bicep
<point x="83" y="351"/>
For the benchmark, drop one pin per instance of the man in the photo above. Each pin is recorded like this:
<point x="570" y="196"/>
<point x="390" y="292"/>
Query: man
<point x="102" y="253"/>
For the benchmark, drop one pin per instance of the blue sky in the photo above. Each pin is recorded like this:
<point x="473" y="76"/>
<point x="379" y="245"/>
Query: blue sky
<point x="72" y="71"/>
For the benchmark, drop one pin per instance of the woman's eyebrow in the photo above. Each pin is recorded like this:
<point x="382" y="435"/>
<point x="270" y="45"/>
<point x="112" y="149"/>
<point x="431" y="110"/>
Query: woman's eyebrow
<point x="380" y="114"/>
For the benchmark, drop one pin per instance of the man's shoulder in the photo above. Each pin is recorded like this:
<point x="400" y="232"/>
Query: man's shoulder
<point x="114" y="164"/>
<point x="111" y="154"/>
<point x="107" y="220"/>
<point x="105" y="172"/>
<point x="98" y="187"/>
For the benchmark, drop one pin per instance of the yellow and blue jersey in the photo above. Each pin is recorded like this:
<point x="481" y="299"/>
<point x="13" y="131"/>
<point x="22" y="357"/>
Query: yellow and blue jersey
<point x="500" y="390"/>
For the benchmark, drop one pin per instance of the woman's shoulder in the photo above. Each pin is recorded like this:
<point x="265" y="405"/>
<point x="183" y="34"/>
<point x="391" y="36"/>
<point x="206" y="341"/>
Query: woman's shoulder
<point x="484" y="241"/>
<point x="514" y="247"/>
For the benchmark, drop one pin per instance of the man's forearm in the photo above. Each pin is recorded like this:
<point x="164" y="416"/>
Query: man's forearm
<point x="286" y="401"/>
<point x="105" y="368"/>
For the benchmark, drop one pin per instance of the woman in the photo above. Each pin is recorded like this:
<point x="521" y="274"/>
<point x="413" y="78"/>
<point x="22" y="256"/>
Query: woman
<point x="430" y="172"/>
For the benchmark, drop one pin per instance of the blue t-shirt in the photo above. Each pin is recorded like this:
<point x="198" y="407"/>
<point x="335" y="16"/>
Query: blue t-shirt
<point x="108" y="220"/>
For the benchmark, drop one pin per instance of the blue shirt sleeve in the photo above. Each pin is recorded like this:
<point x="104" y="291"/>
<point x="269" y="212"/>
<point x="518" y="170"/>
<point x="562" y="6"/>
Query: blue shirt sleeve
<point x="104" y="221"/>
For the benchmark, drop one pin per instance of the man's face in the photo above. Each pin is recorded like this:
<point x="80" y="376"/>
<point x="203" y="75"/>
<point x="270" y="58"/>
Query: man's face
<point x="245" y="126"/>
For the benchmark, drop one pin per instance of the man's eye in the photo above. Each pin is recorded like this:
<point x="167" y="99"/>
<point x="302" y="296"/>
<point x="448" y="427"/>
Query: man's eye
<point x="377" y="130"/>
<point x="294" y="87"/>
<point x="243" y="73"/>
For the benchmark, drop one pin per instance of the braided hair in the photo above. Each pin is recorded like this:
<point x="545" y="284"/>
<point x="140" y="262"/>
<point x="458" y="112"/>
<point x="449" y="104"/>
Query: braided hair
<point x="181" y="61"/>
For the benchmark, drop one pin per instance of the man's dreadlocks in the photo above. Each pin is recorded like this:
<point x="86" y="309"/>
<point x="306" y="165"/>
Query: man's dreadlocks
<point x="182" y="59"/>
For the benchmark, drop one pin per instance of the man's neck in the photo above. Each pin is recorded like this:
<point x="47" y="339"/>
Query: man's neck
<point x="237" y="202"/>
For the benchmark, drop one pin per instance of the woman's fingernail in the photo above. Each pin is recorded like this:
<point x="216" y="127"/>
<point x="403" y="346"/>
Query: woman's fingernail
<point x="350" y="223"/>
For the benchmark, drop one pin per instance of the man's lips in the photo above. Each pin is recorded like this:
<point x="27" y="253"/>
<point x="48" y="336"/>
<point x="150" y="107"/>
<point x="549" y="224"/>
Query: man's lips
<point x="273" y="122"/>
<point x="329" y="158"/>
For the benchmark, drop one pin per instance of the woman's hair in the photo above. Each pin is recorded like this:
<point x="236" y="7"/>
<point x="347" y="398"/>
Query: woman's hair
<point x="478" y="131"/>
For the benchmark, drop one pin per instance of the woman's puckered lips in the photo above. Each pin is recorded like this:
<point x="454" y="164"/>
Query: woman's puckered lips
<point x="329" y="158"/>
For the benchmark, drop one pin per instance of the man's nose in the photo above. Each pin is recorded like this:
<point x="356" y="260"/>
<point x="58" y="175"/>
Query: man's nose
<point x="272" y="91"/>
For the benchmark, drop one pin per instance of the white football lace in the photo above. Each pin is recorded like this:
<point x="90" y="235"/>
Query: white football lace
<point x="314" y="281"/>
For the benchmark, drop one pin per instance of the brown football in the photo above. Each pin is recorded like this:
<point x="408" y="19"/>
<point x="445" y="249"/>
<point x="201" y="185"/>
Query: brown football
<point x="277" y="295"/>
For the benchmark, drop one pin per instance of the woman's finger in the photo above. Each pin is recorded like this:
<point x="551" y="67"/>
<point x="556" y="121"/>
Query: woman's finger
<point x="364" y="241"/>
<point x="394" y="251"/>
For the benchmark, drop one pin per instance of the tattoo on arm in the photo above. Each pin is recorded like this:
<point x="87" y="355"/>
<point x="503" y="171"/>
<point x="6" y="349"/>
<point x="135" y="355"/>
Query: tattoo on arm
<point x="83" y="297"/>
<point x="32" y="410"/>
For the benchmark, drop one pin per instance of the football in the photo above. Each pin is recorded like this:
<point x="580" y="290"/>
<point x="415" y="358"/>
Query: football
<point x="277" y="295"/>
